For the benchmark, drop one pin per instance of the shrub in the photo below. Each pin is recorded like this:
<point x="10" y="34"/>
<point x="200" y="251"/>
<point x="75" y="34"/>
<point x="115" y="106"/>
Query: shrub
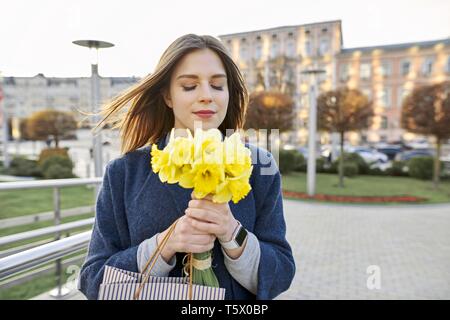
<point x="24" y="167"/>
<point x="300" y="162"/>
<point x="287" y="161"/>
<point x="46" y="153"/>
<point x="377" y="172"/>
<point x="350" y="169"/>
<point x="397" y="169"/>
<point x="320" y="165"/>
<point x="363" y="167"/>
<point x="57" y="171"/>
<point x="421" y="168"/>
<point x="57" y="167"/>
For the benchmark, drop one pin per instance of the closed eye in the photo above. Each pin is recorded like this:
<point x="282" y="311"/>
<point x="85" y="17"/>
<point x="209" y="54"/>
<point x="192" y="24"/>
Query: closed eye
<point x="217" y="87"/>
<point x="188" y="88"/>
<point x="193" y="87"/>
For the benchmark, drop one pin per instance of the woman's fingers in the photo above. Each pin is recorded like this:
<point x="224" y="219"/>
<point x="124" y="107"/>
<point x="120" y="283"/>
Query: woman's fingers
<point x="198" y="248"/>
<point x="203" y="215"/>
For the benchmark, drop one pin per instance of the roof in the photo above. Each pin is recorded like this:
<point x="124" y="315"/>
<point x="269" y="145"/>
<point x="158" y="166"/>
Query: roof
<point x="399" y="46"/>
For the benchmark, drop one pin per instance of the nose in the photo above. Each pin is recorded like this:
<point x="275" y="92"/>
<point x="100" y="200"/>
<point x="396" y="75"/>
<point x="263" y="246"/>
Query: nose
<point x="205" y="94"/>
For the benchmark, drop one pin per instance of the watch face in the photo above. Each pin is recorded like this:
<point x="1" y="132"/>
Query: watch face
<point x="240" y="237"/>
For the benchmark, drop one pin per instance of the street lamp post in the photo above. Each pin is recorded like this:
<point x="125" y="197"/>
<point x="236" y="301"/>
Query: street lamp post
<point x="5" y="133"/>
<point x="312" y="130"/>
<point x="94" y="45"/>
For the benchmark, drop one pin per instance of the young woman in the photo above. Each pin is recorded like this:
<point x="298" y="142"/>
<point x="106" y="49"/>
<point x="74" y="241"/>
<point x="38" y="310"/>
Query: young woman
<point x="195" y="81"/>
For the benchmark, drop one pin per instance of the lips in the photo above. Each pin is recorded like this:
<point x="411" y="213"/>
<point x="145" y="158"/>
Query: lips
<point x="205" y="112"/>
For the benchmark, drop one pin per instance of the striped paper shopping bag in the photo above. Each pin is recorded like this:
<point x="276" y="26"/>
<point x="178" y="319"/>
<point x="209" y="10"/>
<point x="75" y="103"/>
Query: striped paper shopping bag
<point x="121" y="284"/>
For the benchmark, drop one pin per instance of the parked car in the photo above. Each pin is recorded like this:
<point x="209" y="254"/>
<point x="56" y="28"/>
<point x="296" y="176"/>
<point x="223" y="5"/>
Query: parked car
<point x="390" y="150"/>
<point x="407" y="155"/>
<point x="370" y="155"/>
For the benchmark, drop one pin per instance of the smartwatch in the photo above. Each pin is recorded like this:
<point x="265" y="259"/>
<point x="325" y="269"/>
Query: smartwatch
<point x="238" y="238"/>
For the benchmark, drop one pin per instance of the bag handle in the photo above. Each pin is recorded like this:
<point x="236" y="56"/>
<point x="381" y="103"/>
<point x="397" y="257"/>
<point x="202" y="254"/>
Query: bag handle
<point x="152" y="260"/>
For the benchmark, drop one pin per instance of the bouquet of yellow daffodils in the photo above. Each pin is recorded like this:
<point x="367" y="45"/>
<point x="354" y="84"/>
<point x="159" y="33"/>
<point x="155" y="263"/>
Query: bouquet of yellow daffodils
<point x="210" y="166"/>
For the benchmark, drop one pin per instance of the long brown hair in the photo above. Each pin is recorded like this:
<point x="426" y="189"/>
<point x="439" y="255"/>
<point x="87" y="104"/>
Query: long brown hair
<point x="149" y="118"/>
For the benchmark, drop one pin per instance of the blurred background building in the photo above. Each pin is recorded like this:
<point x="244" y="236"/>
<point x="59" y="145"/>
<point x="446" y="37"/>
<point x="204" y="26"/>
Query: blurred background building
<point x="25" y="95"/>
<point x="273" y="59"/>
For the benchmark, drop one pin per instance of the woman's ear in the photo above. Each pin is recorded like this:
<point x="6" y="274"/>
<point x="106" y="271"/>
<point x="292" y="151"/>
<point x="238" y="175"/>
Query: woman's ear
<point x="167" y="100"/>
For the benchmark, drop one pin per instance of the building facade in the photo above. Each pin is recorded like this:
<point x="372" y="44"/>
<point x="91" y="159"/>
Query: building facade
<point x="273" y="59"/>
<point x="25" y="95"/>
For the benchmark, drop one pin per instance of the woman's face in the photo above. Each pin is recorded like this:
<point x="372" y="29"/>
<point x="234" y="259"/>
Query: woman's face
<point x="198" y="91"/>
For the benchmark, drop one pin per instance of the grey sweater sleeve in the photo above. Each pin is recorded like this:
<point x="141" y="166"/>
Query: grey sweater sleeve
<point x="245" y="268"/>
<point x="145" y="251"/>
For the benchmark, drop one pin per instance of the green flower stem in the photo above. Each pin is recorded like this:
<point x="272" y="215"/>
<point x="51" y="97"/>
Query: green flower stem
<point x="205" y="277"/>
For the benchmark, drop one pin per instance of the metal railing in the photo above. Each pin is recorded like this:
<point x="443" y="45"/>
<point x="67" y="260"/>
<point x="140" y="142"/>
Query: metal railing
<point x="31" y="258"/>
<point x="45" y="231"/>
<point x="55" y="250"/>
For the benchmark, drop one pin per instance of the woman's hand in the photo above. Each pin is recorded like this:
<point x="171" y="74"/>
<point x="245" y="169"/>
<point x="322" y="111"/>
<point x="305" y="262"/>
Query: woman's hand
<point x="212" y="218"/>
<point x="186" y="238"/>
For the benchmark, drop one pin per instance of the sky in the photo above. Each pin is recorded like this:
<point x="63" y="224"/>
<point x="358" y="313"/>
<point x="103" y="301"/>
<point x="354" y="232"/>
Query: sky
<point x="36" y="35"/>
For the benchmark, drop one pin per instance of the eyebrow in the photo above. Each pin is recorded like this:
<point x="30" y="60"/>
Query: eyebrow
<point x="193" y="76"/>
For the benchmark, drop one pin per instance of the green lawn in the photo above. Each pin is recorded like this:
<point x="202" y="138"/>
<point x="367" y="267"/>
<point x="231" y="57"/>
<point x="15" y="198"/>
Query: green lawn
<point x="37" y="285"/>
<point x="24" y="202"/>
<point x="39" y="225"/>
<point x="370" y="186"/>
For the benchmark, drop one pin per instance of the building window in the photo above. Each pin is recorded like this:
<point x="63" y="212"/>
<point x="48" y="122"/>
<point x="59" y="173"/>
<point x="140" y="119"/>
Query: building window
<point x="385" y="68"/>
<point x="258" y="52"/>
<point x="367" y="92"/>
<point x="364" y="71"/>
<point x="386" y="97"/>
<point x="402" y="94"/>
<point x="343" y="72"/>
<point x="323" y="46"/>
<point x="274" y="50"/>
<point x="290" y="49"/>
<point x="427" y="66"/>
<point x="384" y="123"/>
<point x="405" y="67"/>
<point x="448" y="64"/>
<point x="243" y="53"/>
<point x="308" y="49"/>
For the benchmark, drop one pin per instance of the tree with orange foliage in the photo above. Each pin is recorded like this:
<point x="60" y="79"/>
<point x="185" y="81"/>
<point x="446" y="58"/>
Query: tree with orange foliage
<point x="426" y="110"/>
<point x="343" y="110"/>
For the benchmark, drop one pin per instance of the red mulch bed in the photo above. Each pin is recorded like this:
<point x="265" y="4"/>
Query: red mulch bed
<point x="354" y="199"/>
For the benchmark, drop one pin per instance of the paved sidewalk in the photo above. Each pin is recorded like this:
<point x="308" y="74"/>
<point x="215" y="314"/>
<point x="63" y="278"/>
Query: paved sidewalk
<point x="334" y="245"/>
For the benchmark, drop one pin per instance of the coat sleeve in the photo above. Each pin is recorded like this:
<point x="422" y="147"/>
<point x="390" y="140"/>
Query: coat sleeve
<point x="276" y="266"/>
<point x="110" y="242"/>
